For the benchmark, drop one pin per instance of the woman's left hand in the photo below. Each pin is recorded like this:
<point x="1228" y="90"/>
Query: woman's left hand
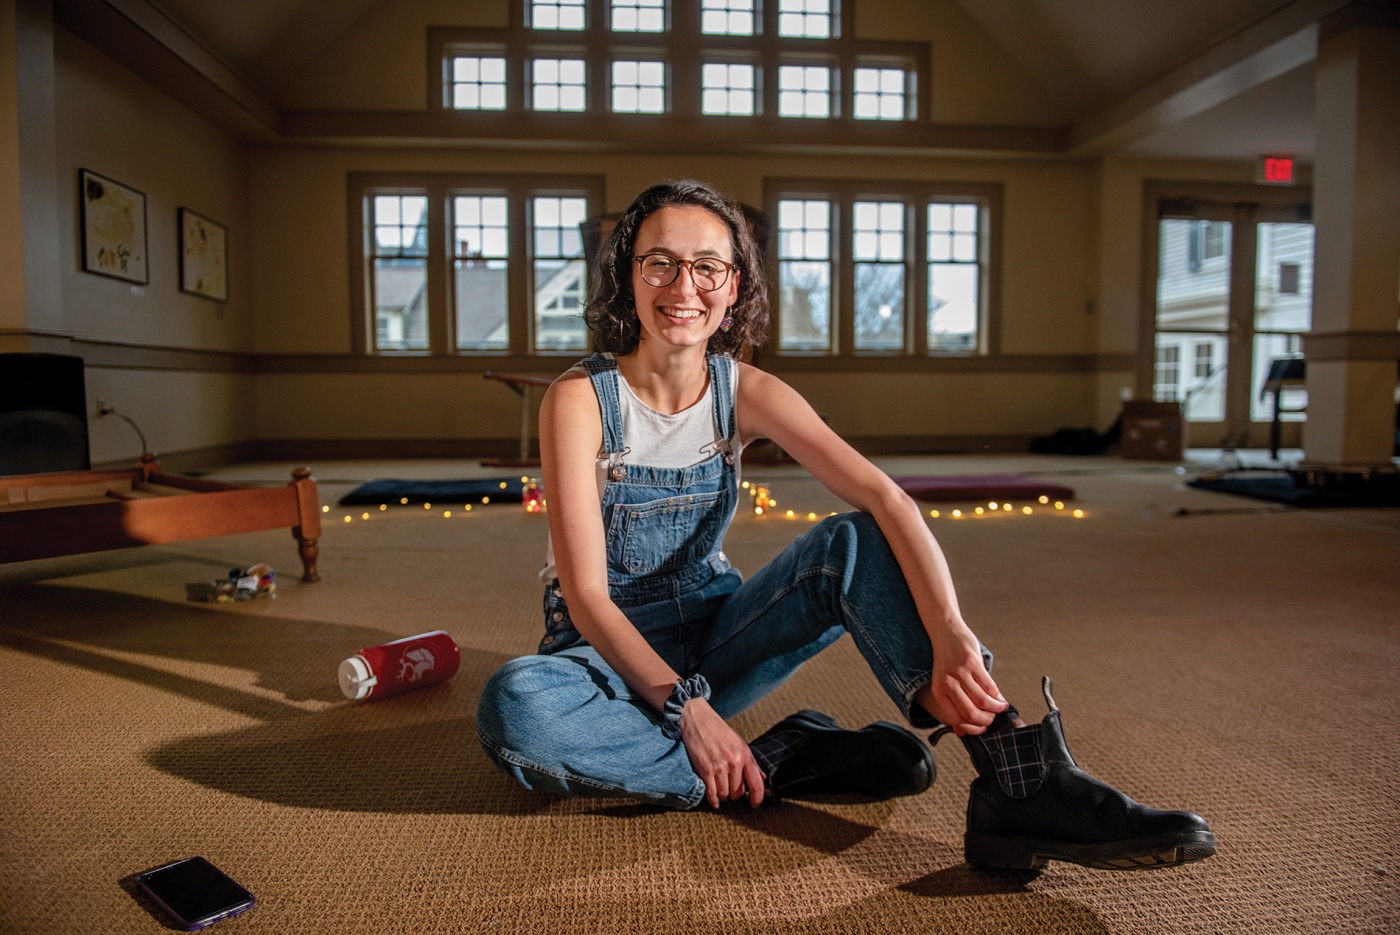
<point x="719" y="756"/>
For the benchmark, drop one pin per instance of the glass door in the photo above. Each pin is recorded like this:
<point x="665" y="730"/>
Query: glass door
<point x="1233" y="295"/>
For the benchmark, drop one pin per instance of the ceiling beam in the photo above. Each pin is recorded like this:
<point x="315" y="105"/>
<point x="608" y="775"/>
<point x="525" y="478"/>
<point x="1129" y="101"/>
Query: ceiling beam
<point x="1271" y="47"/>
<point x="143" y="39"/>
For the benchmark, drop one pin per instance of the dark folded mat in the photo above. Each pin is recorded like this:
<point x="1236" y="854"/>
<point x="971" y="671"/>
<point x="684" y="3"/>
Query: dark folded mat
<point x="953" y="487"/>
<point x="507" y="489"/>
<point x="1294" y="493"/>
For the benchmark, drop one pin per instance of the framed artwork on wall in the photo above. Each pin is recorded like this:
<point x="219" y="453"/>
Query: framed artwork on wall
<point x="114" y="228"/>
<point x="203" y="256"/>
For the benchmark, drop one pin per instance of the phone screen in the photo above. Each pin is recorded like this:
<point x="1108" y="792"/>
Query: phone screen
<point x="196" y="892"/>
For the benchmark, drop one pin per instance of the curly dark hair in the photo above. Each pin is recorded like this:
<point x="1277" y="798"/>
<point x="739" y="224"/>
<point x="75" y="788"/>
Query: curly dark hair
<point x="611" y="313"/>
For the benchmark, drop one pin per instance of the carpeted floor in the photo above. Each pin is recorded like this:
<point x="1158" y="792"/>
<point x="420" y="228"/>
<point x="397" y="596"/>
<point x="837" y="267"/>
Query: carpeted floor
<point x="1208" y="652"/>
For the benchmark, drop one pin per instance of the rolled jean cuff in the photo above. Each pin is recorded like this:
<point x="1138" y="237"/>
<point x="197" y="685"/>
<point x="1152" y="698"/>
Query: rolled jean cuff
<point x="686" y="689"/>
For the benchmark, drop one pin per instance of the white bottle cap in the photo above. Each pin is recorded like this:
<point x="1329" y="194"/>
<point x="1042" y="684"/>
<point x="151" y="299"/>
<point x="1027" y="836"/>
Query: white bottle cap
<point x="356" y="679"/>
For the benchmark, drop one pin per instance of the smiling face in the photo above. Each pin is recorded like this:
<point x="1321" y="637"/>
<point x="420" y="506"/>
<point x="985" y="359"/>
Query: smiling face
<point x="679" y="314"/>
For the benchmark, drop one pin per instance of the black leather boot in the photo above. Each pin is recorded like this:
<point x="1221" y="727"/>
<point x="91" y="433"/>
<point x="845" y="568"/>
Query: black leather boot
<point x="1031" y="803"/>
<point x="808" y="754"/>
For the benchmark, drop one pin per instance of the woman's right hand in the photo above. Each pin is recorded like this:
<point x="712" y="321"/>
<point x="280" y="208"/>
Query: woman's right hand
<point x="719" y="756"/>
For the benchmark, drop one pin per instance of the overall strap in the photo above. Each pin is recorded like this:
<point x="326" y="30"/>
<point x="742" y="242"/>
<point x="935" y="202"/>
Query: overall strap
<point x="721" y="392"/>
<point x="602" y="370"/>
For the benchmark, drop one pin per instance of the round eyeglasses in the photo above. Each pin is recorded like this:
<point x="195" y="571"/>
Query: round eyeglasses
<point x="661" y="269"/>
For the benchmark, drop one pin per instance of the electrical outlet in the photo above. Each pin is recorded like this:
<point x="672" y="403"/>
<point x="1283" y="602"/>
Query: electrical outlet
<point x="102" y="409"/>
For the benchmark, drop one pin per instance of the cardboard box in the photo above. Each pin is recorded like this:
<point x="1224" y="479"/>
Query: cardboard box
<point x="1152" y="431"/>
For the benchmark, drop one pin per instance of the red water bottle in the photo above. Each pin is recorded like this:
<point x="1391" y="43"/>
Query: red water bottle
<point x="412" y="662"/>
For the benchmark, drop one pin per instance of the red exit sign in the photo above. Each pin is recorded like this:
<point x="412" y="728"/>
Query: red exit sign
<point x="1277" y="170"/>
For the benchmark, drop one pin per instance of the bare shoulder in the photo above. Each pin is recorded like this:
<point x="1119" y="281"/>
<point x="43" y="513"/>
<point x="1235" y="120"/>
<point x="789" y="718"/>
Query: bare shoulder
<point x="572" y="389"/>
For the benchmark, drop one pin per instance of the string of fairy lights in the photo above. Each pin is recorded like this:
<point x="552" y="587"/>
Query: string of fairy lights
<point x="764" y="504"/>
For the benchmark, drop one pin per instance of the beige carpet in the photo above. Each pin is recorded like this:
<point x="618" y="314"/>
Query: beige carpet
<point x="1240" y="660"/>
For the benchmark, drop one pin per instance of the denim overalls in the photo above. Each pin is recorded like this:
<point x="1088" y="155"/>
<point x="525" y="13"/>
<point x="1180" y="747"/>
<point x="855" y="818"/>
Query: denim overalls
<point x="563" y="721"/>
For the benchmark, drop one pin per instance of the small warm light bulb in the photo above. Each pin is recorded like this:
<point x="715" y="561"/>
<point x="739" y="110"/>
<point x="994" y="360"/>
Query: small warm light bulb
<point x="772" y="502"/>
<point x="446" y="514"/>
<point x="1044" y="498"/>
<point x="994" y="505"/>
<point x="485" y="499"/>
<point x="383" y="507"/>
<point x="403" y="501"/>
<point x="979" y="511"/>
<point x="758" y="511"/>
<point x="811" y="517"/>
<point x="1006" y="508"/>
<point x="790" y="514"/>
<point x="1059" y="504"/>
<point x="503" y="485"/>
<point x="933" y="514"/>
<point x="957" y="514"/>
<point x="347" y="519"/>
<point x="467" y="507"/>
<point x="325" y="509"/>
<point x="427" y="506"/>
<point x="364" y="516"/>
<point x="523" y="480"/>
<point x="1026" y="510"/>
<point x="745" y="485"/>
<point x="1078" y="514"/>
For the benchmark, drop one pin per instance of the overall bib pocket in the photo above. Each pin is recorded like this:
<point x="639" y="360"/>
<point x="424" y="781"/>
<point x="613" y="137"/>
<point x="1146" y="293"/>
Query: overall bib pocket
<point x="663" y="535"/>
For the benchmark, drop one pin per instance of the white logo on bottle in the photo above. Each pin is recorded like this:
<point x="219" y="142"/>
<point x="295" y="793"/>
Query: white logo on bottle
<point x="416" y="663"/>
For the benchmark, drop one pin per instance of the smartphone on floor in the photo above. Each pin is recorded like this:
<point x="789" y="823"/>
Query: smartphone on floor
<point x="195" y="892"/>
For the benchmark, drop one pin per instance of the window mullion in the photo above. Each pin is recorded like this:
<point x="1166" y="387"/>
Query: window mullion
<point x="918" y="280"/>
<point x="843" y="326"/>
<point x="441" y="338"/>
<point x="518" y="277"/>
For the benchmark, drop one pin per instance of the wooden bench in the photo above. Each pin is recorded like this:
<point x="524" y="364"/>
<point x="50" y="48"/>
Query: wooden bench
<point x="47" y="515"/>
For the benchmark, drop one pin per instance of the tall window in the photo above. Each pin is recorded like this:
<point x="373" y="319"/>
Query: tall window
<point x="398" y="255"/>
<point x="560" y="280"/>
<point x="481" y="257"/>
<point x="804" y="274"/>
<point x="878" y="251"/>
<point x="904" y="273"/>
<point x="473" y="265"/>
<point x="954" y="276"/>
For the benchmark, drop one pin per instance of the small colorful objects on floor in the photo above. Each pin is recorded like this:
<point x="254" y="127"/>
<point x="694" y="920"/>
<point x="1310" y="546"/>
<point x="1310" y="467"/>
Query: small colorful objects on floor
<point x="245" y="584"/>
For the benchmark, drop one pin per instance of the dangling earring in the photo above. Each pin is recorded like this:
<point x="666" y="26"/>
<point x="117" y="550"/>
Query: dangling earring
<point x="726" y="322"/>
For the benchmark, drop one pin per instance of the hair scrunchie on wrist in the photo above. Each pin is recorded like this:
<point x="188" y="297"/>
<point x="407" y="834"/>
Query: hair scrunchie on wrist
<point x="686" y="689"/>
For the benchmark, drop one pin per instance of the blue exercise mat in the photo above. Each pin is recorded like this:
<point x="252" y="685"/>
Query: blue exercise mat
<point x="499" y="489"/>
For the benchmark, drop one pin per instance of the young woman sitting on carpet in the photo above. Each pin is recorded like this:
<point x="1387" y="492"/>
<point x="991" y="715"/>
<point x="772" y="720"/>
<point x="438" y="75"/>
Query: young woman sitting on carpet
<point x="652" y="640"/>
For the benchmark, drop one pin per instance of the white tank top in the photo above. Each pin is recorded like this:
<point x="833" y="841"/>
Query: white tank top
<point x="659" y="439"/>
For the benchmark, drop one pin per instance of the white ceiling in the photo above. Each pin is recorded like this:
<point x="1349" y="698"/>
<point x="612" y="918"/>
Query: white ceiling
<point x="1097" y="59"/>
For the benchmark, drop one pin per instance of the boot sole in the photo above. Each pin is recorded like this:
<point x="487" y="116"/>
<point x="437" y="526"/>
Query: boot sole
<point x="1168" y="850"/>
<point x="862" y="782"/>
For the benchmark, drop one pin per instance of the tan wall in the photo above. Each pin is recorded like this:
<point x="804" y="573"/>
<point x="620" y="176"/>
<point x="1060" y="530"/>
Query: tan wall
<point x="117" y="125"/>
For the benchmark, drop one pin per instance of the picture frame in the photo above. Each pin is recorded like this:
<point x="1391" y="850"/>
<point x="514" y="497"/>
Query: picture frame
<point x="203" y="256"/>
<point x="113" y="228"/>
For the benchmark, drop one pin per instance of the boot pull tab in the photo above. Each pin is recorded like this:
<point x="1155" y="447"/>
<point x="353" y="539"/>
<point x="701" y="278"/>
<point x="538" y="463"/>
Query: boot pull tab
<point x="1045" y="686"/>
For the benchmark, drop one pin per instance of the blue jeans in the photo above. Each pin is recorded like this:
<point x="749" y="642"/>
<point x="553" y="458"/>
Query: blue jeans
<point x="566" y="723"/>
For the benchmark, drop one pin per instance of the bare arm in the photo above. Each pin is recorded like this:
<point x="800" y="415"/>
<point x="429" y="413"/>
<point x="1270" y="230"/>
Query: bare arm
<point x="962" y="693"/>
<point x="570" y="437"/>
